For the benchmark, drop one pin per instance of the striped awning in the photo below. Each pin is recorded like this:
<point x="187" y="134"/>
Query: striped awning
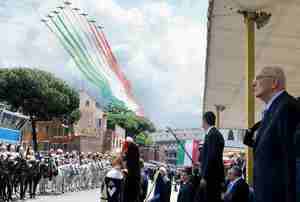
<point x="10" y="136"/>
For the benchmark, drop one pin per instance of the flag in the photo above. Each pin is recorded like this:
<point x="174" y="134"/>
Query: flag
<point x="191" y="147"/>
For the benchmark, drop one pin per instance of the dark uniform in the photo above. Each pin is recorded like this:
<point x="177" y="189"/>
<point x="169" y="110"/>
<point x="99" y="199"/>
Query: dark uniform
<point x="112" y="188"/>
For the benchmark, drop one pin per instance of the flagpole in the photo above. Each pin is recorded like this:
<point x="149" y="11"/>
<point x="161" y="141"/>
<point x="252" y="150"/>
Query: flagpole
<point x="169" y="130"/>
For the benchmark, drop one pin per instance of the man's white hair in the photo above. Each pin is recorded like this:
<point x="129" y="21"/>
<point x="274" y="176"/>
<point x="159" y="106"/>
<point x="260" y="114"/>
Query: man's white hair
<point x="163" y="169"/>
<point x="275" y="72"/>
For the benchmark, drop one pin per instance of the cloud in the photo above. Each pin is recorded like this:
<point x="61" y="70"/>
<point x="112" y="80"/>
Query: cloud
<point x="161" y="50"/>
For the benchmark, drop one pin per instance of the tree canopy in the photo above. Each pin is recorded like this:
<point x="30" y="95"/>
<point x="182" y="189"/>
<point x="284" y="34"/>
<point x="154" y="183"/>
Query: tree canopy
<point x="39" y="94"/>
<point x="119" y="114"/>
<point x="143" y="139"/>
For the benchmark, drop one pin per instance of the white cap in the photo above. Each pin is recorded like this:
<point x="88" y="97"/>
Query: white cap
<point x="129" y="139"/>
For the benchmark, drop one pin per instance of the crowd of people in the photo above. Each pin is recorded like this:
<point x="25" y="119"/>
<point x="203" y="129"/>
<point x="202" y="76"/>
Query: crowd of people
<point x="25" y="173"/>
<point x="188" y="181"/>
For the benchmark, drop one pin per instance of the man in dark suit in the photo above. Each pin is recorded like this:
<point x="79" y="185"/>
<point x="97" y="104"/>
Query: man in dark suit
<point x="161" y="188"/>
<point x="212" y="167"/>
<point x="273" y="144"/>
<point x="237" y="189"/>
<point x="186" y="188"/>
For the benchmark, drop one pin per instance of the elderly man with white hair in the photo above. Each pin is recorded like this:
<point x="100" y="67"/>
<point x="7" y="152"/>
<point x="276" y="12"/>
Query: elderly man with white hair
<point x="273" y="144"/>
<point x="161" y="192"/>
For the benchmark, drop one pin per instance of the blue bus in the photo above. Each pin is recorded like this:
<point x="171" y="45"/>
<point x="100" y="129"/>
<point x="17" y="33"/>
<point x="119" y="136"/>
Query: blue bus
<point x="11" y="124"/>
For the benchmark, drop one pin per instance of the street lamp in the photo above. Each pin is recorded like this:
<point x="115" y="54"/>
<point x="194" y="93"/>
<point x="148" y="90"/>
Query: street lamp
<point x="255" y="5"/>
<point x="253" y="12"/>
<point x="219" y="109"/>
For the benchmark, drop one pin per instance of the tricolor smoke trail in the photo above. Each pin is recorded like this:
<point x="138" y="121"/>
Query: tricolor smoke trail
<point x="88" y="47"/>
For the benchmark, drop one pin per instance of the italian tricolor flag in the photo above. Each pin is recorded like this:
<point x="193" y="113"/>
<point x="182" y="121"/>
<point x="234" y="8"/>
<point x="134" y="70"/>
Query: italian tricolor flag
<point x="190" y="146"/>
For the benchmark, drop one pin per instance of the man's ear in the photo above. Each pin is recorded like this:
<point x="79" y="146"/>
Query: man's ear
<point x="275" y="84"/>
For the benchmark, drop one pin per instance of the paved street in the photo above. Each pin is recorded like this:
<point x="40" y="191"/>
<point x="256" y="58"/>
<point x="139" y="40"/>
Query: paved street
<point x="84" y="196"/>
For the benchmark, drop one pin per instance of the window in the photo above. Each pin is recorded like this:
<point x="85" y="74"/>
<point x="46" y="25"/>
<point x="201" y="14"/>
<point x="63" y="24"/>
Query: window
<point x="98" y="122"/>
<point x="230" y="136"/>
<point x="87" y="103"/>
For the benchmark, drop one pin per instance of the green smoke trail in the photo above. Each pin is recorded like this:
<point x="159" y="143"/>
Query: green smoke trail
<point x="81" y="62"/>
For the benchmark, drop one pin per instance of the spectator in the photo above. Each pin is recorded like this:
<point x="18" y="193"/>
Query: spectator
<point x="144" y="182"/>
<point x="237" y="188"/>
<point x="161" y="188"/>
<point x="273" y="145"/>
<point x="185" y="191"/>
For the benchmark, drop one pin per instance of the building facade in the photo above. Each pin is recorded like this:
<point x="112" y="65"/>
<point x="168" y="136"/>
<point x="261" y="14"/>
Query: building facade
<point x="117" y="139"/>
<point x="86" y="136"/>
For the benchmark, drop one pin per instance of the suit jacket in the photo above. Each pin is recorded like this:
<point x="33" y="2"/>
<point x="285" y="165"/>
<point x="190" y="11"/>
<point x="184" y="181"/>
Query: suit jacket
<point x="274" y="152"/>
<point x="161" y="190"/>
<point x="185" y="193"/>
<point x="169" y="189"/>
<point x="144" y="186"/>
<point x="238" y="193"/>
<point x="212" y="167"/>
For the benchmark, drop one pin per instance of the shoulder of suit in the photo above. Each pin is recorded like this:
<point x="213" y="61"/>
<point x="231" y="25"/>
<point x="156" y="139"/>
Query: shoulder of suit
<point x="288" y="99"/>
<point x="214" y="130"/>
<point x="290" y="102"/>
<point x="242" y="182"/>
<point x="114" y="173"/>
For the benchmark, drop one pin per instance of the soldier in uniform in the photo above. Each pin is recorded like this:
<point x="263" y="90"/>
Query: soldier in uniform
<point x="113" y="186"/>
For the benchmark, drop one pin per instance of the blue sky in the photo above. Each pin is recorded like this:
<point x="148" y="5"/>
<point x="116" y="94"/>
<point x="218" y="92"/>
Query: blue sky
<point x="160" y="45"/>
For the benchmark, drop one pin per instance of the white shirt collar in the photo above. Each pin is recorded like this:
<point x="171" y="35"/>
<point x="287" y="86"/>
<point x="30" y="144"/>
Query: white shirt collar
<point x="268" y="105"/>
<point x="235" y="181"/>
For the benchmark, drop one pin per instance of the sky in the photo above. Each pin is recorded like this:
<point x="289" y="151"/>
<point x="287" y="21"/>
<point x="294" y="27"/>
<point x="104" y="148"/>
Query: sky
<point x="160" y="46"/>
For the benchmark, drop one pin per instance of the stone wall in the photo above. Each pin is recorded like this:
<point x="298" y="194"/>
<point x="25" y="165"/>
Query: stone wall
<point x="90" y="144"/>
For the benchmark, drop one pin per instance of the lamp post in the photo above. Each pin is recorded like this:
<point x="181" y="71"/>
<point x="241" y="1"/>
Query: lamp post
<point x="255" y="5"/>
<point x="253" y="13"/>
<point x="219" y="109"/>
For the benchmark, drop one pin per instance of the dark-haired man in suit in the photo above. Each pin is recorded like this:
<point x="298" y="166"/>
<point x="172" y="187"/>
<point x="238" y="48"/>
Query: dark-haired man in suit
<point x="273" y="144"/>
<point x="212" y="167"/>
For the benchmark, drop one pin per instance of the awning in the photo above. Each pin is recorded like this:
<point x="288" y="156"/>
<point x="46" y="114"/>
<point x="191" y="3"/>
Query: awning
<point x="10" y="136"/>
<point x="278" y="43"/>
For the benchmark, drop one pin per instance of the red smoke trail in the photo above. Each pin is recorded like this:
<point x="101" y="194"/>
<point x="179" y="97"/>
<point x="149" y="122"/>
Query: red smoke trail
<point x="115" y="66"/>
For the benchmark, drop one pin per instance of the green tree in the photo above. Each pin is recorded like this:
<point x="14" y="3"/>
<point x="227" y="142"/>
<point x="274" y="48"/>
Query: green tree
<point x="118" y="114"/>
<point x="40" y="95"/>
<point x="141" y="138"/>
<point x="148" y="141"/>
<point x="145" y="124"/>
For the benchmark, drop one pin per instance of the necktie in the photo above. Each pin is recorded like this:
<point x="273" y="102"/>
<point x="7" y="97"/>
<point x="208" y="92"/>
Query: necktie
<point x="263" y="113"/>
<point x="229" y="187"/>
